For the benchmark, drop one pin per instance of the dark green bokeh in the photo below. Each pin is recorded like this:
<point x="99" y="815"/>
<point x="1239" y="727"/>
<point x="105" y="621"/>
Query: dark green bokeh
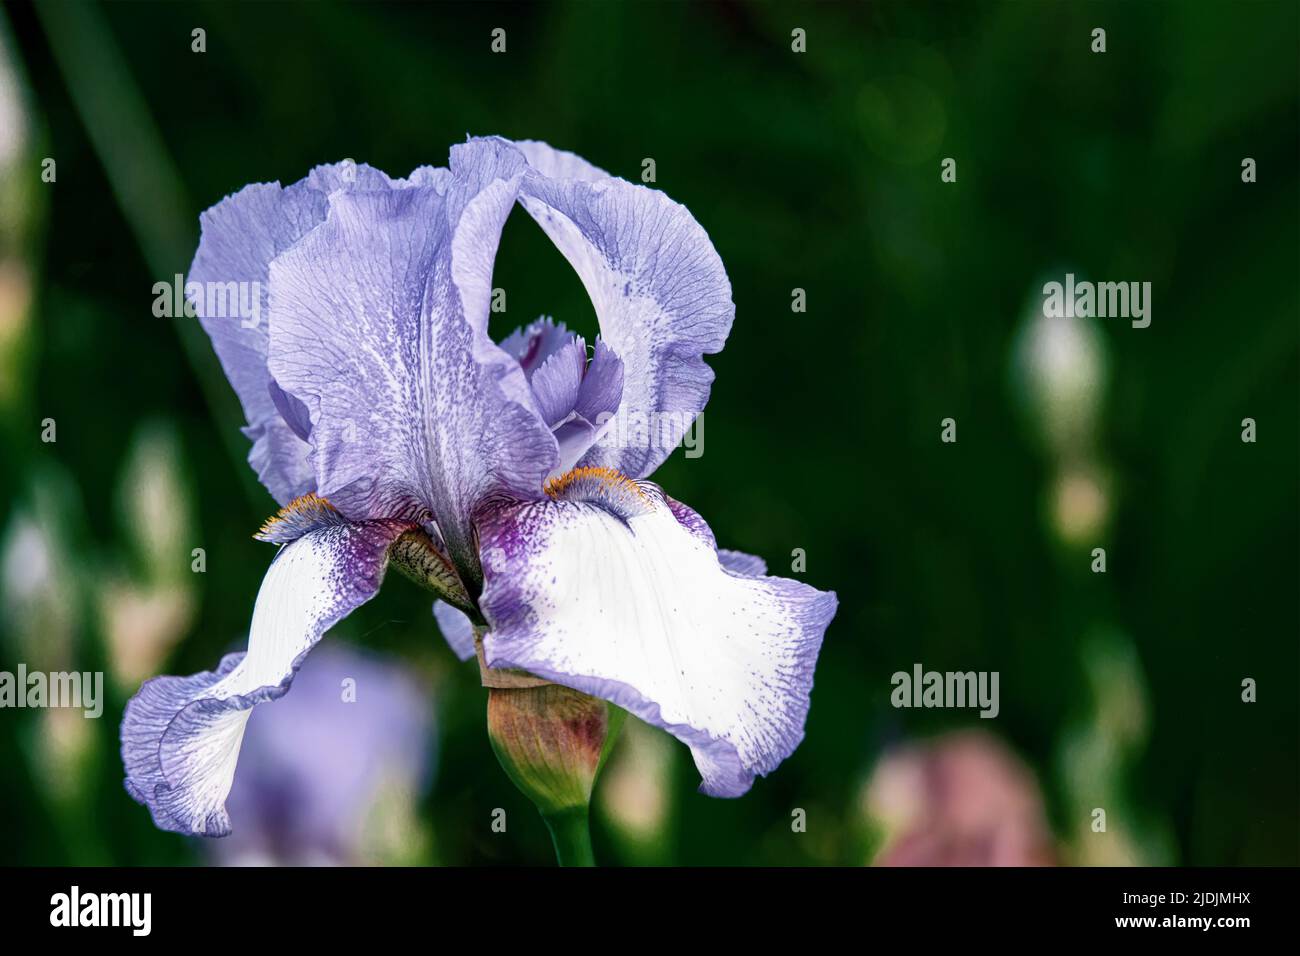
<point x="817" y="171"/>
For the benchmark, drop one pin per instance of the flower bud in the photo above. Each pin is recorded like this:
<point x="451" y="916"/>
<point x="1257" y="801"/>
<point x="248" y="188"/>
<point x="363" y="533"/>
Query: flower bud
<point x="552" y="741"/>
<point x="549" y="740"/>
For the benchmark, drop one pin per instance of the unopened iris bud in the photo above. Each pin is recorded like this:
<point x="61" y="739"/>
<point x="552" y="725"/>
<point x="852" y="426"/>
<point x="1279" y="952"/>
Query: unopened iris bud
<point x="552" y="742"/>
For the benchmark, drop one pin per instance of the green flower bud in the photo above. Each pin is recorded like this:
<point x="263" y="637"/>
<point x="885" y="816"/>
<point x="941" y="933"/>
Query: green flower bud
<point x="552" y="742"/>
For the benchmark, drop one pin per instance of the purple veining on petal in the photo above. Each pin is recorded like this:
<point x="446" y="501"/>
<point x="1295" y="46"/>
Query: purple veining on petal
<point x="351" y="175"/>
<point x="558" y="163"/>
<point x="558" y="380"/>
<point x="660" y="292"/>
<point x="594" y="406"/>
<point x="690" y="519"/>
<point x="241" y="235"/>
<point x="145" y="723"/>
<point x="602" y="384"/>
<point x="379" y="324"/>
<point x="734" y="562"/>
<point x="574" y="395"/>
<point x="738" y="562"/>
<point x="228" y="285"/>
<point x="180" y="735"/>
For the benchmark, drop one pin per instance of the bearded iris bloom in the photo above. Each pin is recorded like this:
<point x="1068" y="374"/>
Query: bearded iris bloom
<point x="392" y="429"/>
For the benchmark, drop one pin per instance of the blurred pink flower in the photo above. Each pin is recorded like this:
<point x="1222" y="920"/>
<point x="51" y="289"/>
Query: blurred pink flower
<point x="962" y="799"/>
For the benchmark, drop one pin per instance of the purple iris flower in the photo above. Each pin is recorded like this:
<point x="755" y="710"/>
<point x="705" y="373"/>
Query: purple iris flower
<point x="386" y="421"/>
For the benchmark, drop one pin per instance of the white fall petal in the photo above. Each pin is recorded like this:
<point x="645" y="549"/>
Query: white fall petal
<point x="181" y="735"/>
<point x="617" y="591"/>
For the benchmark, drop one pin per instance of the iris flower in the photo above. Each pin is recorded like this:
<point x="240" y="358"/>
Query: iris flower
<point x="510" y="477"/>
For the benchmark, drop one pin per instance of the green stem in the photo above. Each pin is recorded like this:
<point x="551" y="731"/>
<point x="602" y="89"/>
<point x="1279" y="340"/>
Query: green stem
<point x="571" y="836"/>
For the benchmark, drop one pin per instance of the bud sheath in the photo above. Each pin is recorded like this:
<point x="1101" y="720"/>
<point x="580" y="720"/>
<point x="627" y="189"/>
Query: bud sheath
<point x="551" y="741"/>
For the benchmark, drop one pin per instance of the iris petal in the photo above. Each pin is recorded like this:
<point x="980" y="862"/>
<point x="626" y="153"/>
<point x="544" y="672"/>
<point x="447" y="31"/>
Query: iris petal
<point x="457" y="629"/>
<point x="559" y="379"/>
<point x="181" y="735"/>
<point x="241" y="235"/>
<point x="379" y="325"/>
<point x="659" y="289"/>
<point x="575" y="397"/>
<point x="608" y="592"/>
<point x="738" y="562"/>
<point x="534" y="343"/>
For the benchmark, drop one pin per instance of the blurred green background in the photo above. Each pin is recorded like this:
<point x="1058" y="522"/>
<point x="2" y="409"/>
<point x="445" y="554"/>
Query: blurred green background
<point x="818" y="171"/>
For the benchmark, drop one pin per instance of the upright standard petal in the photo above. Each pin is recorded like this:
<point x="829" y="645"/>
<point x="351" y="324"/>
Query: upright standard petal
<point x="557" y="382"/>
<point x="181" y="735"/>
<point x="572" y="394"/>
<point x="660" y="292"/>
<point x="533" y="344"/>
<point x="594" y="404"/>
<point x="379" y="324"/>
<point x="558" y="163"/>
<point x="604" y="589"/>
<point x="228" y="287"/>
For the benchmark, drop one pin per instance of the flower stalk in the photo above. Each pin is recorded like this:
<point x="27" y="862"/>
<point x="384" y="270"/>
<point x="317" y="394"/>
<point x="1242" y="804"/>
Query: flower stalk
<point x="571" y="837"/>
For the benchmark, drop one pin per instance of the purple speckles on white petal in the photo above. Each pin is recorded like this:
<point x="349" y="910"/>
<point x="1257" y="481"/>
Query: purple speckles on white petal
<point x="633" y="606"/>
<point x="181" y="735"/>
